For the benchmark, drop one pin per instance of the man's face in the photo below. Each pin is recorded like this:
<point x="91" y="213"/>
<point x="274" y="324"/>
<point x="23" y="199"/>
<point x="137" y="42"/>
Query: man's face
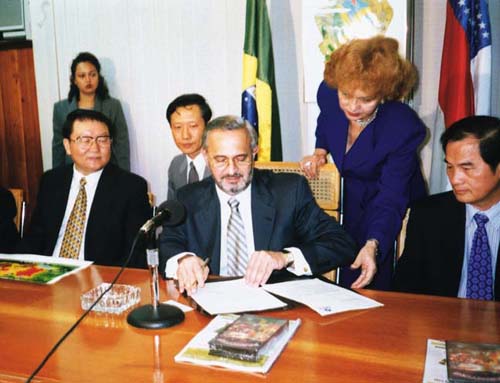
<point x="471" y="178"/>
<point x="230" y="159"/>
<point x="187" y="126"/>
<point x="91" y="156"/>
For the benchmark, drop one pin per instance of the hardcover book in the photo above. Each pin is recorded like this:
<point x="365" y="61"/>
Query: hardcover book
<point x="247" y="337"/>
<point x="472" y="362"/>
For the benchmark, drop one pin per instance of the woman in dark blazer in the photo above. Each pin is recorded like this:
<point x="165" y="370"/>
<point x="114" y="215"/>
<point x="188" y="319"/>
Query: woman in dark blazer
<point x="88" y="90"/>
<point x="373" y="139"/>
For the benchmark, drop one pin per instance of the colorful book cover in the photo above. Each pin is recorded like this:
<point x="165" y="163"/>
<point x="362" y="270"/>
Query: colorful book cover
<point x="37" y="268"/>
<point x="472" y="362"/>
<point x="247" y="336"/>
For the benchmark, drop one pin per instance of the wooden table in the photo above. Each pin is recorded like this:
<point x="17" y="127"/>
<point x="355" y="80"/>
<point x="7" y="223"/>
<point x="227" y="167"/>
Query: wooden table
<point x="386" y="344"/>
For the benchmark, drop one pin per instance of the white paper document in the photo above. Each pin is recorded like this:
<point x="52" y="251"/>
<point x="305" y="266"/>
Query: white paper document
<point x="234" y="296"/>
<point x="324" y="298"/>
<point x="435" y="362"/>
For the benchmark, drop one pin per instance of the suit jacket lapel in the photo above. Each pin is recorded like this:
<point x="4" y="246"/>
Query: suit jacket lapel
<point x="60" y="193"/>
<point x="208" y="215"/>
<point x="263" y="212"/>
<point x="454" y="242"/>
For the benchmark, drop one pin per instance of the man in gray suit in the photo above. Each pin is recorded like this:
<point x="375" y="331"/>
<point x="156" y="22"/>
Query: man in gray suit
<point x="187" y="115"/>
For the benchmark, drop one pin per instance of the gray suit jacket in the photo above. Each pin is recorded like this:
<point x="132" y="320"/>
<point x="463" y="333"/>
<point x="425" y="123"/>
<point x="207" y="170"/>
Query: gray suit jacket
<point x="110" y="107"/>
<point x="284" y="214"/>
<point x="177" y="174"/>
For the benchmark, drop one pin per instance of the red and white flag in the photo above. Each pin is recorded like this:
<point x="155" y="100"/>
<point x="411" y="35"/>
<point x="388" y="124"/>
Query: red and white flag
<point x="465" y="82"/>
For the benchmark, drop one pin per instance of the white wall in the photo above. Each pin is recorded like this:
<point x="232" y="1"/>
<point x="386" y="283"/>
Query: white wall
<point x="153" y="50"/>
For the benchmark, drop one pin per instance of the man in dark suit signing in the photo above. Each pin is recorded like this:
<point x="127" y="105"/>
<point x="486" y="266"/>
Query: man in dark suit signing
<point x="248" y="222"/>
<point x="452" y="238"/>
<point x="91" y="209"/>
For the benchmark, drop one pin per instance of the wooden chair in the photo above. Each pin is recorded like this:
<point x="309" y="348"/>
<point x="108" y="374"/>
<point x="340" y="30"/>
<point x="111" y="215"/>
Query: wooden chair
<point x="326" y="189"/>
<point x="20" y="204"/>
<point x="400" y="240"/>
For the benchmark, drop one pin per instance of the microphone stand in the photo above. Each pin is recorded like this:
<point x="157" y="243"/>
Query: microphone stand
<point x="156" y="315"/>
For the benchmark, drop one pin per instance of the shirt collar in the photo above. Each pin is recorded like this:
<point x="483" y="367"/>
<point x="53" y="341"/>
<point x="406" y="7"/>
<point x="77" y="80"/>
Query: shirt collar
<point x="245" y="195"/>
<point x="493" y="213"/>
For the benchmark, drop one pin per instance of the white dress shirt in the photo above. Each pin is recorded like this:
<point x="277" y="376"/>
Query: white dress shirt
<point x="199" y="164"/>
<point x="90" y="188"/>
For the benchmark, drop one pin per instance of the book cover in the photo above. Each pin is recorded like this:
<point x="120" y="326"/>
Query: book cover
<point x="37" y="268"/>
<point x="246" y="337"/>
<point x="472" y="362"/>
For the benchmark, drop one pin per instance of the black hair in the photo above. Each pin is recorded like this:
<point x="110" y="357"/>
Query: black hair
<point x="190" y="99"/>
<point x="485" y="128"/>
<point x="84" y="115"/>
<point x="102" y="89"/>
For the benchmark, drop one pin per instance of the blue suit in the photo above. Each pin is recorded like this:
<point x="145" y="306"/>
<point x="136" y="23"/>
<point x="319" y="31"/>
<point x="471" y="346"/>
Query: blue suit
<point x="381" y="174"/>
<point x="284" y="214"/>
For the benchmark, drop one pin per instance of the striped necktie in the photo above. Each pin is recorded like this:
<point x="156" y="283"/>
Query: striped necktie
<point x="479" y="271"/>
<point x="236" y="245"/>
<point x="73" y="235"/>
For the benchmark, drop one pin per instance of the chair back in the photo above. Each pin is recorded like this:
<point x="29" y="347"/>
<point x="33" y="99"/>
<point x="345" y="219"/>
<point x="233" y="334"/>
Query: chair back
<point x="325" y="189"/>
<point x="400" y="239"/>
<point x="19" y="218"/>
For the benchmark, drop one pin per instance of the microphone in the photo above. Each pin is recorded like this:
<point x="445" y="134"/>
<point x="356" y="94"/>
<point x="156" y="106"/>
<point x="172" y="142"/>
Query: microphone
<point x="170" y="213"/>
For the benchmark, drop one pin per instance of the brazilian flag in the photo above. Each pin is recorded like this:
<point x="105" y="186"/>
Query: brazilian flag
<point x="259" y="103"/>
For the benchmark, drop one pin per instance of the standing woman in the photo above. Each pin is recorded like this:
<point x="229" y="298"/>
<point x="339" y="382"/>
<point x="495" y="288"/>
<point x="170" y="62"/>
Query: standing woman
<point x="373" y="139"/>
<point x="88" y="90"/>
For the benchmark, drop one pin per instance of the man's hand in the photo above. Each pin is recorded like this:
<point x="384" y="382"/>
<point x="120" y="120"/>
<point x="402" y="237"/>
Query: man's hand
<point x="191" y="274"/>
<point x="366" y="259"/>
<point x="262" y="264"/>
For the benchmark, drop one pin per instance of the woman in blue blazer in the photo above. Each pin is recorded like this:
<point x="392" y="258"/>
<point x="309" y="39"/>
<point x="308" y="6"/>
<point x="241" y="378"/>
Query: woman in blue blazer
<point x="373" y="139"/>
<point x="88" y="90"/>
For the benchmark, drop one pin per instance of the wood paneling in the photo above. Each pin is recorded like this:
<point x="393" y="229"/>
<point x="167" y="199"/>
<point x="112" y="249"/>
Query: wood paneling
<point x="20" y="147"/>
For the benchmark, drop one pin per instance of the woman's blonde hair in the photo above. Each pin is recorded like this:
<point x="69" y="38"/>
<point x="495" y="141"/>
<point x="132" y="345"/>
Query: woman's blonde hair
<point x="372" y="65"/>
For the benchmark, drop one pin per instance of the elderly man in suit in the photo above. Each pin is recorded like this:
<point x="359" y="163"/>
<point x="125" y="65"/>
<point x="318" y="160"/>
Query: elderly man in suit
<point x="187" y="115"/>
<point x="452" y="238"/>
<point x="245" y="221"/>
<point x="91" y="209"/>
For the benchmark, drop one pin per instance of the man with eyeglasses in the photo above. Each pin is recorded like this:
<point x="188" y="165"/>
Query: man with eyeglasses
<point x="248" y="222"/>
<point x="90" y="209"/>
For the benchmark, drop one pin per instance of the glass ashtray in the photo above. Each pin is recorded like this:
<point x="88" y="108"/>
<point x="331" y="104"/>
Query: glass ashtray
<point x="115" y="301"/>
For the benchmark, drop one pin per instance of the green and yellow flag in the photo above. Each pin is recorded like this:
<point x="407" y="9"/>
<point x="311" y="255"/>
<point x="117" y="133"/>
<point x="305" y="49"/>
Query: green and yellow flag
<point x="259" y="103"/>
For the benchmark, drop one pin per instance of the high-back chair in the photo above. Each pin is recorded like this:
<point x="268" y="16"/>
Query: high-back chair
<point x="325" y="189"/>
<point x="20" y="205"/>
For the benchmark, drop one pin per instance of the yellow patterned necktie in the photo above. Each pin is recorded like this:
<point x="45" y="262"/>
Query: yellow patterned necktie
<point x="74" y="229"/>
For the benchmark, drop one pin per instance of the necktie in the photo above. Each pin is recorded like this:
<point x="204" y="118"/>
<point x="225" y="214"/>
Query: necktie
<point x="73" y="235"/>
<point x="236" y="245"/>
<point x="193" y="174"/>
<point x="479" y="272"/>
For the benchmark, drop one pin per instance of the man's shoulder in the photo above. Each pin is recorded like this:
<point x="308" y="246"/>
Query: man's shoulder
<point x="121" y="176"/>
<point x="437" y="202"/>
<point x="278" y="179"/>
<point x="177" y="161"/>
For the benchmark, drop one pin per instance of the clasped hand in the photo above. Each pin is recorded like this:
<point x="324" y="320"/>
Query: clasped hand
<point x="192" y="272"/>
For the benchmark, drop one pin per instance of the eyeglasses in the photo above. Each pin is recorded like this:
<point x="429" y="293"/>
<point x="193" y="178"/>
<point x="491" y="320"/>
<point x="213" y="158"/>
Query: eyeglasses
<point x="222" y="162"/>
<point x="85" y="142"/>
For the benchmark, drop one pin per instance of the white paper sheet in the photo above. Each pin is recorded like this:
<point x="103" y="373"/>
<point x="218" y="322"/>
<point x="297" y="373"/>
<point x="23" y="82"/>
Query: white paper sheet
<point x="324" y="298"/>
<point x="435" y="362"/>
<point x="234" y="296"/>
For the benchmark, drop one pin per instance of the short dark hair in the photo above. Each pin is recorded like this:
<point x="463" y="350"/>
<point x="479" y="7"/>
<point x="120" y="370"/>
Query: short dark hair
<point x="190" y="99"/>
<point x="485" y="128"/>
<point x="85" y="115"/>
<point x="229" y="123"/>
<point x="102" y="89"/>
